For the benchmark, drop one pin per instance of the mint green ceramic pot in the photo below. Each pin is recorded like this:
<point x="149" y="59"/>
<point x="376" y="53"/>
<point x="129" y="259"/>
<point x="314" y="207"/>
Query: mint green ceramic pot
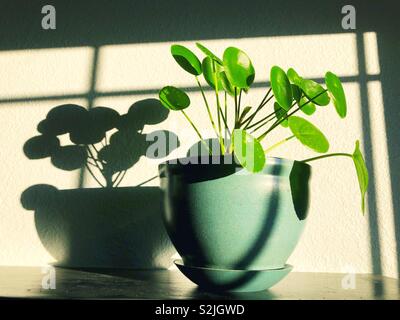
<point x="219" y="215"/>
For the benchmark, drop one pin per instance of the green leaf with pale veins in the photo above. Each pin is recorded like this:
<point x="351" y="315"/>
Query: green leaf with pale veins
<point x="281" y="87"/>
<point x="281" y="113"/>
<point x="294" y="77"/>
<point x="336" y="93"/>
<point x="211" y="69"/>
<point x="315" y="92"/>
<point x="186" y="59"/>
<point x="173" y="98"/>
<point x="248" y="150"/>
<point x="208" y="53"/>
<point x="307" y="107"/>
<point x="238" y="68"/>
<point x="308" y="134"/>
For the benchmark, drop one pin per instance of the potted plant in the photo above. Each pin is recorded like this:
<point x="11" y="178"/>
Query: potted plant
<point x="99" y="227"/>
<point x="234" y="214"/>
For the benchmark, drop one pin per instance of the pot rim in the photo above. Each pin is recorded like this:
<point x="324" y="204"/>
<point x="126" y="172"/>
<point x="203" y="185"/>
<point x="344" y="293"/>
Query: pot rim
<point x="186" y="161"/>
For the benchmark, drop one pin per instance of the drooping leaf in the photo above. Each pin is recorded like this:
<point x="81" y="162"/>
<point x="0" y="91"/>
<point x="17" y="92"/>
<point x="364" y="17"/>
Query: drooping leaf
<point x="226" y="84"/>
<point x="296" y="92"/>
<point x="238" y="68"/>
<point x="173" y="98"/>
<point x="307" y="107"/>
<point x="208" y="53"/>
<point x="281" y="87"/>
<point x="248" y="150"/>
<point x="336" y="93"/>
<point x="69" y="157"/>
<point x="211" y="69"/>
<point x="308" y="134"/>
<point x="186" y="59"/>
<point x="362" y="173"/>
<point x="294" y="77"/>
<point x="280" y="113"/>
<point x="314" y="90"/>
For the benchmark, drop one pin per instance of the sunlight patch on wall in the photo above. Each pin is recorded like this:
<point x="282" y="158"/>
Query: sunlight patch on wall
<point x="45" y="72"/>
<point x="150" y="66"/>
<point x="384" y="194"/>
<point x="371" y="53"/>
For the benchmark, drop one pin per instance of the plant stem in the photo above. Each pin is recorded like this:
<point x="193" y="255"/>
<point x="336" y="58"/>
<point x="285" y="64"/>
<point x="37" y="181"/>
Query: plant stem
<point x="95" y="159"/>
<point x="236" y="109"/>
<point x="207" y="107"/>
<point x="93" y="175"/>
<point x="240" y="102"/>
<point x="327" y="156"/>
<point x="192" y="124"/>
<point x="197" y="131"/>
<point x="226" y="115"/>
<point x="278" y="144"/>
<point x="263" y="102"/>
<point x="262" y="120"/>
<point x="278" y="122"/>
<point x="117" y="177"/>
<point x="148" y="180"/>
<point x="122" y="177"/>
<point x="261" y="125"/>
<point x="219" y="111"/>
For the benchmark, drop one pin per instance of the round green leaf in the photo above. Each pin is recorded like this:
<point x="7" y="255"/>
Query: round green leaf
<point x="208" y="53"/>
<point x="294" y="77"/>
<point x="211" y="69"/>
<point x="186" y="59"/>
<point x="173" y="98"/>
<point x="226" y="84"/>
<point x="238" y="68"/>
<point x="281" y="87"/>
<point x="307" y="107"/>
<point x="312" y="89"/>
<point x="362" y="173"/>
<point x="296" y="92"/>
<point x="248" y="151"/>
<point x="308" y="134"/>
<point x="336" y="92"/>
<point x="280" y="113"/>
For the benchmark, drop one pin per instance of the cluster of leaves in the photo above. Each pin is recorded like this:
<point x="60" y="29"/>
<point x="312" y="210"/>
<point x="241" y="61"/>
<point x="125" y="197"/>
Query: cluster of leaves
<point x="233" y="75"/>
<point x="102" y="140"/>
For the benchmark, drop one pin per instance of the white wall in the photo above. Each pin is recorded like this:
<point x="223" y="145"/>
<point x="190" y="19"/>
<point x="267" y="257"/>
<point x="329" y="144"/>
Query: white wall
<point x="337" y="237"/>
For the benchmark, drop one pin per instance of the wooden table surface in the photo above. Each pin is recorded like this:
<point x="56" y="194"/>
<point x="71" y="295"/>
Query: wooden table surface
<point x="26" y="282"/>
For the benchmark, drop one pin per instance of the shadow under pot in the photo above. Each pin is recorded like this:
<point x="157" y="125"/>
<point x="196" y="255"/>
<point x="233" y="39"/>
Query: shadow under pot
<point x="218" y="215"/>
<point x="101" y="228"/>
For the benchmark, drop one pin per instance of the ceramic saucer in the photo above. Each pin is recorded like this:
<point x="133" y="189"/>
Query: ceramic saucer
<point x="233" y="280"/>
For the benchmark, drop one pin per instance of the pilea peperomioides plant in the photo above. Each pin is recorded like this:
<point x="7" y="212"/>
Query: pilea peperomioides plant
<point x="241" y="130"/>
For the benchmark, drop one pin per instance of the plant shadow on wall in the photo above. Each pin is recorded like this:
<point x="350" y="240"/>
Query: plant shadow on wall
<point x="107" y="226"/>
